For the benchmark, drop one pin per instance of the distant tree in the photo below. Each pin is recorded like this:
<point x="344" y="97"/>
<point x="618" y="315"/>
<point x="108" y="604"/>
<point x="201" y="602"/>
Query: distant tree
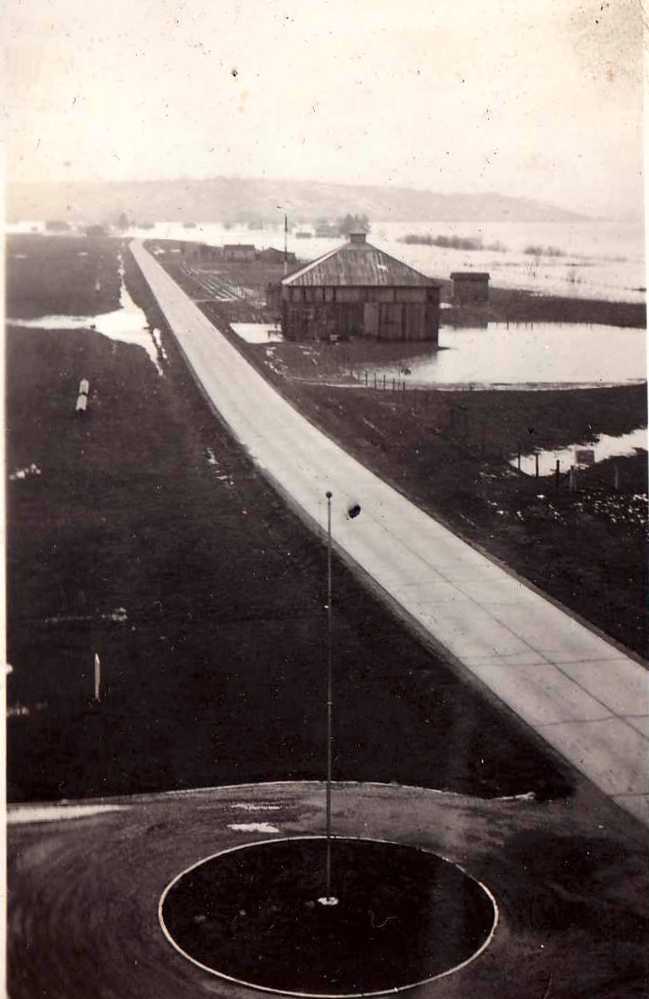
<point x="353" y="223"/>
<point x="122" y="221"/>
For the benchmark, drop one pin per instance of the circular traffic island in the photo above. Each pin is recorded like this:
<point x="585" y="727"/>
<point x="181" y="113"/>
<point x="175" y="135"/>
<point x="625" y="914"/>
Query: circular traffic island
<point x="259" y="915"/>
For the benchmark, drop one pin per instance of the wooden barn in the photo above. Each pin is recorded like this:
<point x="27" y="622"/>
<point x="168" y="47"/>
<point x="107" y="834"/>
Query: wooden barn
<point x="470" y="287"/>
<point x="272" y="256"/>
<point x="239" y="251"/>
<point x="358" y="290"/>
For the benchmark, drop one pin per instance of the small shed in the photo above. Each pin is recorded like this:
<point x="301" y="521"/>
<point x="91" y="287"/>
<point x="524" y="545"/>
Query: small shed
<point x="359" y="290"/>
<point x="470" y="287"/>
<point x="239" y="251"/>
<point x="273" y="256"/>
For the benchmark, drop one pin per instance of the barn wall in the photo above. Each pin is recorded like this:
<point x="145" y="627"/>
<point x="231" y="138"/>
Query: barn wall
<point x="390" y="315"/>
<point x="470" y="292"/>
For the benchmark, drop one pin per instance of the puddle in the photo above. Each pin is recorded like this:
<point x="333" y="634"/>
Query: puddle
<point x="245" y="806"/>
<point x="604" y="447"/>
<point x="119" y="615"/>
<point x="257" y="332"/>
<point x="57" y="813"/>
<point x="25" y="473"/>
<point x="127" y="324"/>
<point x="260" y="827"/>
<point x="530" y="356"/>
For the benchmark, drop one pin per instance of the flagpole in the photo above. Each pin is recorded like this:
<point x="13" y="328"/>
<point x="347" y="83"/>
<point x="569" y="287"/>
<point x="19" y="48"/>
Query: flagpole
<point x="328" y="898"/>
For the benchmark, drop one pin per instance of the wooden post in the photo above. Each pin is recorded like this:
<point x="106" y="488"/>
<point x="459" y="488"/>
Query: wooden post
<point x="393" y="384"/>
<point x="616" y="477"/>
<point x="366" y="377"/>
<point x="536" y="465"/>
<point x="557" y="472"/>
<point x="97" y="678"/>
<point x="375" y="379"/>
<point x="519" y="458"/>
<point x="572" y="479"/>
<point x="384" y="383"/>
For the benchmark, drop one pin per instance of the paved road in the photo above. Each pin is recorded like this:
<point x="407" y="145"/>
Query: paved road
<point x="586" y="697"/>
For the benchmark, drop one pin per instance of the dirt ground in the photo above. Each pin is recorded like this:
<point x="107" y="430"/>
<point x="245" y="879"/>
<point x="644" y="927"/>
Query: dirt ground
<point x="149" y="539"/>
<point x="450" y="453"/>
<point x="569" y="879"/>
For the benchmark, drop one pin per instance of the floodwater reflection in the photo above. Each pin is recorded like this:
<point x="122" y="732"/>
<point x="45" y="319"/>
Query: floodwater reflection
<point x="530" y="356"/>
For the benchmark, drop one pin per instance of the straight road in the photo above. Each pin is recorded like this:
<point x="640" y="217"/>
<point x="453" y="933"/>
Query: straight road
<point x="586" y="697"/>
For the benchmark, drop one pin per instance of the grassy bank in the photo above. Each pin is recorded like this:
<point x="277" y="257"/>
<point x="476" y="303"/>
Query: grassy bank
<point x="149" y="538"/>
<point x="61" y="275"/>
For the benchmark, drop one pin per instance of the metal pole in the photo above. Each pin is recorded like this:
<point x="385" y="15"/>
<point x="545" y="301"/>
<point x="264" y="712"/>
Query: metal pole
<point x="97" y="678"/>
<point x="328" y="895"/>
<point x="285" y="244"/>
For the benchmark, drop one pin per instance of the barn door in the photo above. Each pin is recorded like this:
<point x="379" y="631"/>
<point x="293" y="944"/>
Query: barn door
<point x="371" y="319"/>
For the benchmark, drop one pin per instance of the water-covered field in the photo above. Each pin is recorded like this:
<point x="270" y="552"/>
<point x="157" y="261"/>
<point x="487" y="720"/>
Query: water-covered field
<point x="598" y="259"/>
<point x="531" y="355"/>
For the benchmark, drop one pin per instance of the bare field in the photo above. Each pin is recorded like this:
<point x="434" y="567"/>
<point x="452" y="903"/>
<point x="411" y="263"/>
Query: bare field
<point x="149" y="539"/>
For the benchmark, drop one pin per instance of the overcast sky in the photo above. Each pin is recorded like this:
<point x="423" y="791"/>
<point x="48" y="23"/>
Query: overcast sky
<point x="537" y="98"/>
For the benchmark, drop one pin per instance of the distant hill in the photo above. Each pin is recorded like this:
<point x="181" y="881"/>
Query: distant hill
<point x="235" y="199"/>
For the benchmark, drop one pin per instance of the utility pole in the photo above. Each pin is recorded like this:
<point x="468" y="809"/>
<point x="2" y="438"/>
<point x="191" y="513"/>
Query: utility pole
<point x="285" y="244"/>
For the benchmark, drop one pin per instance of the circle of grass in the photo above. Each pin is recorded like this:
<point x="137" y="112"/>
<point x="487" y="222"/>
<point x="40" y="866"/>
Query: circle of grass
<point x="250" y="914"/>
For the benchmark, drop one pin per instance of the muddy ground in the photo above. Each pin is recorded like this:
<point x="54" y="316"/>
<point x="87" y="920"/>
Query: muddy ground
<point x="569" y="879"/>
<point x="148" y="538"/>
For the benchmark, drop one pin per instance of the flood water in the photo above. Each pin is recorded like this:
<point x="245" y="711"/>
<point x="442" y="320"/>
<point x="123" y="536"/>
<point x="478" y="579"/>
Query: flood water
<point x="257" y="332"/>
<point x="604" y="447"/>
<point x="127" y="324"/>
<point x="531" y="356"/>
<point x="595" y="259"/>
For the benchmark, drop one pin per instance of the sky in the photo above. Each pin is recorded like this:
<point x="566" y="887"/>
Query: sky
<point x="538" y="99"/>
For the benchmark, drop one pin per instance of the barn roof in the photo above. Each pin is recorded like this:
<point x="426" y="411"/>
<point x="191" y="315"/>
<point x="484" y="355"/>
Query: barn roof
<point x="357" y="263"/>
<point x="470" y="276"/>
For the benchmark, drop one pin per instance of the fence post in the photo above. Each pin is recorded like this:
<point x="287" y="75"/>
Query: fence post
<point x="572" y="479"/>
<point x="536" y="465"/>
<point x="557" y="473"/>
<point x="616" y="477"/>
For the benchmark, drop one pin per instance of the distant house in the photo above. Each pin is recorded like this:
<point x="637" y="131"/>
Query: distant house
<point x="304" y="235"/>
<point x="203" y="251"/>
<point x="272" y="256"/>
<point x="95" y="230"/>
<point x="470" y="287"/>
<point x="54" y="225"/>
<point x="357" y="290"/>
<point x="239" y="251"/>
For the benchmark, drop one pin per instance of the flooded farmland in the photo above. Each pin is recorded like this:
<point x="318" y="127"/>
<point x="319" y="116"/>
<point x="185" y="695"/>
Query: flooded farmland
<point x="533" y="356"/>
